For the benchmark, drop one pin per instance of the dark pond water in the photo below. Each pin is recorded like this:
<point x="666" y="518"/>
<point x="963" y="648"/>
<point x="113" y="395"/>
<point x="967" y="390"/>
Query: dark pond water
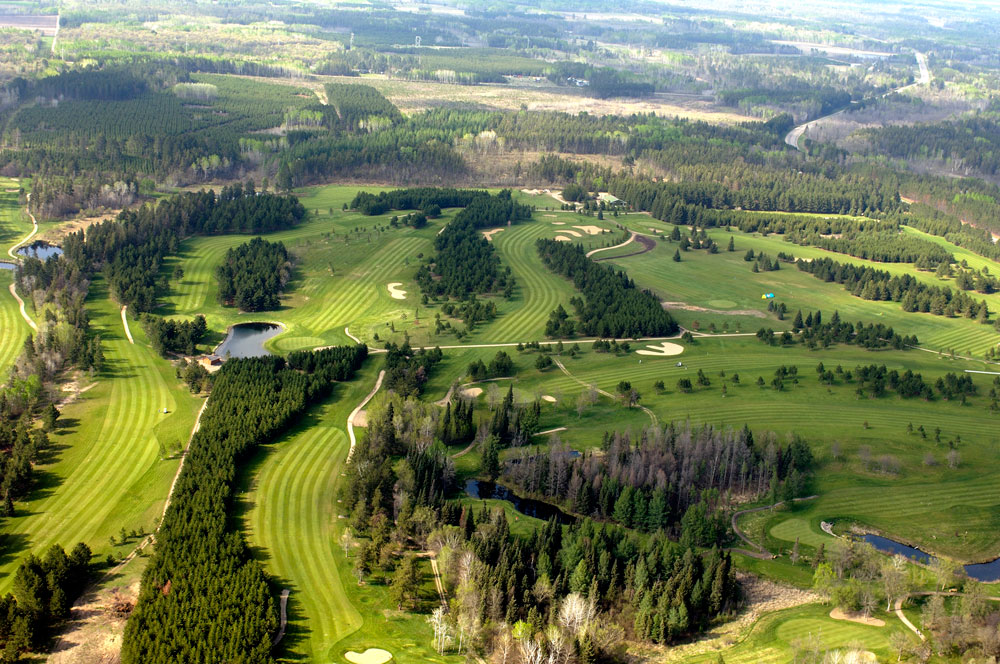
<point x="4" y="265"/>
<point x="41" y="250"/>
<point x="536" y="508"/>
<point x="247" y="340"/>
<point x="980" y="571"/>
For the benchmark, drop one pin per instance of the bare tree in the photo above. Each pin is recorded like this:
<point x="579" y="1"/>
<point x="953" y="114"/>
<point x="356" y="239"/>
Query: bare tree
<point x="954" y="458"/>
<point x="503" y="646"/>
<point x="442" y="630"/>
<point x="576" y="614"/>
<point x="493" y="396"/>
<point x="346" y="541"/>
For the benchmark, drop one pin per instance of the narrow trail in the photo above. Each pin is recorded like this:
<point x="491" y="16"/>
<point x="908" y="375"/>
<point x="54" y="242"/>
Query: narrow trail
<point x="437" y="576"/>
<point x="351" y="336"/>
<point x="12" y="252"/>
<point x="898" y="608"/>
<point x="758" y="551"/>
<point x="627" y="242"/>
<point x="364" y="402"/>
<point x="562" y="367"/>
<point x="648" y="244"/>
<point x="284" y="618"/>
<point x="20" y="306"/>
<point x="128" y="332"/>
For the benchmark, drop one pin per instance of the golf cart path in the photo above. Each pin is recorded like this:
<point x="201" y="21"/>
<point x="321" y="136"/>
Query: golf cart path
<point x="562" y="367"/>
<point x="20" y="306"/>
<point x="12" y="251"/>
<point x="351" y="336"/>
<point x="364" y="402"/>
<point x="926" y="593"/>
<point x="284" y="617"/>
<point x="128" y="332"/>
<point x="627" y="242"/>
<point x="648" y="244"/>
<point x="758" y="552"/>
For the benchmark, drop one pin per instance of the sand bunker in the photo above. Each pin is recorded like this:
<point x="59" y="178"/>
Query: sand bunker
<point x="563" y="238"/>
<point x="558" y="223"/>
<point x="569" y="232"/>
<point x="664" y="349"/>
<point x="370" y="656"/>
<point x="395" y="292"/>
<point x="489" y="234"/>
<point x="590" y="230"/>
<point x="549" y="398"/>
<point x="838" y="614"/>
<point x="360" y="418"/>
<point x="472" y="391"/>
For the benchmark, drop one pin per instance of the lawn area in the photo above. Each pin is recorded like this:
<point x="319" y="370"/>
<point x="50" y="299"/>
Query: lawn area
<point x="14" y="223"/>
<point x="292" y="518"/>
<point x="729" y="293"/>
<point x="776" y="636"/>
<point x="103" y="471"/>
<point x="15" y="329"/>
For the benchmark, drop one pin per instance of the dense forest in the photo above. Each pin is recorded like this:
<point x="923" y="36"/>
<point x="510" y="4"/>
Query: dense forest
<point x="253" y="275"/>
<point x="466" y="263"/>
<point x="130" y="250"/>
<point x="611" y="305"/>
<point x="174" y="336"/>
<point x="204" y="598"/>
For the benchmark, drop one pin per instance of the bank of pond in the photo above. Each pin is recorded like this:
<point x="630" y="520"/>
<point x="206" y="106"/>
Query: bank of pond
<point x="41" y="250"/>
<point x="248" y="339"/>
<point x="980" y="571"/>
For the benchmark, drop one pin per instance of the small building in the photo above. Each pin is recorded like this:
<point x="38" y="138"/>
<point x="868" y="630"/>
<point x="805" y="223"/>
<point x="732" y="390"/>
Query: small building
<point x="210" y="362"/>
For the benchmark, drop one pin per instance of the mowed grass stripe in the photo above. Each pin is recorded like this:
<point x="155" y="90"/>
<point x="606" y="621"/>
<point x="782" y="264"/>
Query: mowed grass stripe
<point x="14" y="329"/>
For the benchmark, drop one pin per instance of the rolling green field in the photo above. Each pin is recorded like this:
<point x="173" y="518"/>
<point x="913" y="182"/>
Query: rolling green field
<point x="15" y="330"/>
<point x="103" y="471"/>
<point x="293" y="524"/>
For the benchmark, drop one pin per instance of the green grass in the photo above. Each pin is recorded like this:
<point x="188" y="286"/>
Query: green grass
<point x="772" y="639"/>
<point x="14" y="224"/>
<point x="15" y="329"/>
<point x="701" y="279"/>
<point x="103" y="471"/>
<point x="292" y="517"/>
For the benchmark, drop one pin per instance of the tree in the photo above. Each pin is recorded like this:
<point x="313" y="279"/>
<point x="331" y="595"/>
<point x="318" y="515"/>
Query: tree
<point x="283" y="180"/>
<point x="491" y="457"/>
<point x="732" y="245"/>
<point x="49" y="417"/>
<point x="346" y="541"/>
<point x="677" y="256"/>
<point x="576" y="613"/>
<point x="442" y="630"/>
<point x="404" y="582"/>
<point x="944" y="569"/>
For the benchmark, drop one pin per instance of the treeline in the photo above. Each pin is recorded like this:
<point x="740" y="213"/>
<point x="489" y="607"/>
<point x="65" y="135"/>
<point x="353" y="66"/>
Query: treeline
<point x="361" y="107"/>
<point x="414" y="198"/>
<point x="466" y="263"/>
<point x="43" y="592"/>
<point x="253" y="275"/>
<point x="611" y="305"/>
<point x="872" y="284"/>
<point x="407" y="370"/>
<point x="884" y="247"/>
<point x="813" y="332"/>
<point x="931" y="220"/>
<point x="203" y="596"/>
<point x="174" y="336"/>
<point x="676" y="479"/>
<point x="130" y="250"/>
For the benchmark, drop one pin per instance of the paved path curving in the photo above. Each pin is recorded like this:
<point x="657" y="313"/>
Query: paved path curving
<point x="351" y="336"/>
<point x="898" y="608"/>
<point x="20" y="306"/>
<point x="627" y="242"/>
<point x="648" y="244"/>
<point x="350" y="418"/>
<point x="284" y="617"/>
<point x="758" y="552"/>
<point x="128" y="332"/>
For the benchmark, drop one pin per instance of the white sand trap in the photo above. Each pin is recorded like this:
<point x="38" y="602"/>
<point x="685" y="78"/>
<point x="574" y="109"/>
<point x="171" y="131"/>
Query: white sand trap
<point x="551" y="216"/>
<point x="838" y="614"/>
<point x="558" y="223"/>
<point x="472" y="391"/>
<point x="489" y="234"/>
<point x="531" y="192"/>
<point x="665" y="349"/>
<point x="395" y="292"/>
<point x="549" y="398"/>
<point x="370" y="656"/>
<point x="563" y="238"/>
<point x="590" y="230"/>
<point x="569" y="232"/>
<point x="361" y="418"/>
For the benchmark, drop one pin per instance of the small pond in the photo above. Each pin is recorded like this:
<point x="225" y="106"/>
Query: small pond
<point x="40" y="250"/>
<point x="247" y="340"/>
<point x="980" y="571"/>
<point x="4" y="265"/>
<point x="536" y="508"/>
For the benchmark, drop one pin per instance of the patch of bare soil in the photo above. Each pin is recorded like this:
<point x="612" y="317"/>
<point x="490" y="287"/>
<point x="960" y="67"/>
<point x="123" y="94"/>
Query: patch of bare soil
<point x="729" y="312"/>
<point x="762" y="597"/>
<point x="93" y="634"/>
